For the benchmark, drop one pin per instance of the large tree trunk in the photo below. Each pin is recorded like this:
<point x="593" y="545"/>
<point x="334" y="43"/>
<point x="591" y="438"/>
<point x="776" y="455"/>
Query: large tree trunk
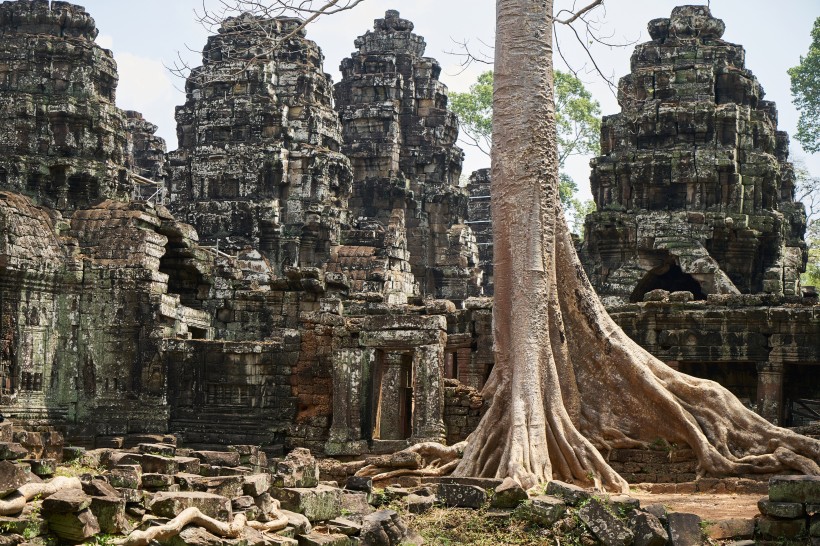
<point x="567" y="381"/>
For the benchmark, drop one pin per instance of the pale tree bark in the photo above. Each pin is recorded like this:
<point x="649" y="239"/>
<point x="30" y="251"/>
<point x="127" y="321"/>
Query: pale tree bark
<point x="567" y="381"/>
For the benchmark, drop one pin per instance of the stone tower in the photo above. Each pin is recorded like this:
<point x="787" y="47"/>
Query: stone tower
<point x="401" y="141"/>
<point x="258" y="164"/>
<point x="693" y="188"/>
<point x="63" y="142"/>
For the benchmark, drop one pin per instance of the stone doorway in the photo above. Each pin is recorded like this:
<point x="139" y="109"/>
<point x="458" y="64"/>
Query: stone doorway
<point x="393" y="387"/>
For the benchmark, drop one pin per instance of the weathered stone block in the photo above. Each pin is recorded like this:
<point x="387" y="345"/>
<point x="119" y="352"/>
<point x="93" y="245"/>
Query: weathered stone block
<point x="218" y="458"/>
<point x="125" y="476"/>
<point x="187" y="464"/>
<point x="356" y="502"/>
<point x="734" y="528"/>
<point x="805" y="489"/>
<point x="359" y="483"/>
<point x="684" y="529"/>
<point x="256" y="484"/>
<point x="227" y="486"/>
<point x="43" y="468"/>
<point x="386" y="528"/>
<point x="157" y="482"/>
<point x="417" y="504"/>
<point x="570" y="493"/>
<point x="780" y="509"/>
<point x="12" y="476"/>
<point x="110" y="514"/>
<point x="462" y="496"/>
<point x="169" y="505"/>
<point x="73" y="527"/>
<point x="647" y="529"/>
<point x="604" y="525"/>
<point x="158" y="464"/>
<point x="162" y="450"/>
<point x="9" y="451"/>
<point x="322" y="539"/>
<point x="298" y="469"/>
<point x="317" y="504"/>
<point x="781" y="528"/>
<point x="66" y="501"/>
<point x="814" y="526"/>
<point x="542" y="510"/>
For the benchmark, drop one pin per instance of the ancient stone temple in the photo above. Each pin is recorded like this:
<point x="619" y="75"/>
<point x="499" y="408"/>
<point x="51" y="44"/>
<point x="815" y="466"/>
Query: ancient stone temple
<point x="258" y="164"/>
<point x="307" y="325"/>
<point x="62" y="139"/>
<point x="401" y="141"/>
<point x="694" y="190"/>
<point x="695" y="199"/>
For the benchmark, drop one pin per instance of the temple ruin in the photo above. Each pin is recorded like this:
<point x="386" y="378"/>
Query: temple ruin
<point x="306" y="269"/>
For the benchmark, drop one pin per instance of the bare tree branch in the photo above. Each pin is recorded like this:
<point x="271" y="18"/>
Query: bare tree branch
<point x="578" y="14"/>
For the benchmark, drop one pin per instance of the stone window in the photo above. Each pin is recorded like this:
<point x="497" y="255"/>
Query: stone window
<point x="30" y="381"/>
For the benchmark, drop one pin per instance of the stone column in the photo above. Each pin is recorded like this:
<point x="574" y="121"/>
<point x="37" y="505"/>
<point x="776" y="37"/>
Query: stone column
<point x="770" y="391"/>
<point x="428" y="407"/>
<point x="352" y="371"/>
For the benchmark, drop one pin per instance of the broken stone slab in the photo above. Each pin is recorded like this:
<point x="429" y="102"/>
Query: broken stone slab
<point x="781" y="528"/>
<point x="323" y="539"/>
<point x="386" y="528"/>
<point x="73" y="527"/>
<point x="317" y="504"/>
<point x="66" y="501"/>
<point x="157" y="464"/>
<point x="658" y="510"/>
<point x="99" y="488"/>
<point x="780" y="509"/>
<point x="227" y="486"/>
<point x="647" y="529"/>
<point x="256" y="484"/>
<point x="461" y="496"/>
<point x="417" y="504"/>
<point x="804" y="489"/>
<point x="110" y="514"/>
<point x="570" y="493"/>
<point x="25" y="524"/>
<point x="606" y="527"/>
<point x="130" y="496"/>
<point x="9" y="451"/>
<point x="356" y="502"/>
<point x="12" y="476"/>
<point x="190" y="465"/>
<point x="218" y="458"/>
<point x="297" y="469"/>
<point x="158" y="482"/>
<point x="509" y="494"/>
<point x="344" y="526"/>
<point x="123" y="458"/>
<point x="162" y="450"/>
<point x="170" y="505"/>
<point x="359" y="483"/>
<point x="72" y="453"/>
<point x="732" y="528"/>
<point x="127" y="476"/>
<point x="542" y="510"/>
<point x="684" y="529"/>
<point x="242" y="503"/>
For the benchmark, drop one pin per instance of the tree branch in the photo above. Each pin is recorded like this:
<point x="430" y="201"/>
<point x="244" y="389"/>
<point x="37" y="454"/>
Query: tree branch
<point x="578" y="14"/>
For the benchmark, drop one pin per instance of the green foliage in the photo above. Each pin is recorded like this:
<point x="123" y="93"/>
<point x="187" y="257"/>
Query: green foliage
<point x="807" y="191"/>
<point x="805" y="79"/>
<point x="578" y="122"/>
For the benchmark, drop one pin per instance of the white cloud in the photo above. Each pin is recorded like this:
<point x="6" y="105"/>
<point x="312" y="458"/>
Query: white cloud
<point x="146" y="86"/>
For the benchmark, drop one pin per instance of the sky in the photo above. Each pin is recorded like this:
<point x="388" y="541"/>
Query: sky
<point x="147" y="36"/>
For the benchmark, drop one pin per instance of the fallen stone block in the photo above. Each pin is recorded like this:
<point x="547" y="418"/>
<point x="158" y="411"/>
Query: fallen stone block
<point x="322" y="539"/>
<point x="684" y="529"/>
<point x="126" y="476"/>
<point x="461" y="496"/>
<point x="509" y="494"/>
<point x="170" y="505"/>
<point x="189" y="465"/>
<point x="163" y="450"/>
<point x="297" y="469"/>
<point x="218" y="458"/>
<point x="156" y="464"/>
<point x="317" y="504"/>
<point x="9" y="451"/>
<point x="227" y="486"/>
<point x="12" y="476"/>
<point x="542" y="510"/>
<point x="100" y="488"/>
<point x="356" y="502"/>
<point x="386" y="528"/>
<point x="43" y="468"/>
<point x="647" y="529"/>
<point x="570" y="493"/>
<point x="359" y="483"/>
<point x="256" y="484"/>
<point x="344" y="526"/>
<point x="158" y="482"/>
<point x="66" y="501"/>
<point x="416" y="504"/>
<point x="606" y="527"/>
<point x="73" y="527"/>
<point x="110" y="514"/>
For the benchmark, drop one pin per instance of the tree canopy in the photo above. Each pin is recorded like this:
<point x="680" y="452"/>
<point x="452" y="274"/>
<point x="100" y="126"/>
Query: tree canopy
<point x="577" y="120"/>
<point x="806" y="94"/>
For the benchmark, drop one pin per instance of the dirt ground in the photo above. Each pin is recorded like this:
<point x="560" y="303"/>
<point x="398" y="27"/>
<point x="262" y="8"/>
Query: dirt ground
<point x="709" y="506"/>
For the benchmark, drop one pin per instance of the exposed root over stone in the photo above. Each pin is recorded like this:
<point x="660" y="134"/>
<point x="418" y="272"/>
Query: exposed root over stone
<point x="189" y="516"/>
<point x="424" y="459"/>
<point x="14" y="503"/>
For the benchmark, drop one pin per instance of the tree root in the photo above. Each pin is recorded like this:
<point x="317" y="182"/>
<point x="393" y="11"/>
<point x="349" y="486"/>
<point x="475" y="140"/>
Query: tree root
<point x="437" y="460"/>
<point x="14" y="503"/>
<point x="188" y="516"/>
